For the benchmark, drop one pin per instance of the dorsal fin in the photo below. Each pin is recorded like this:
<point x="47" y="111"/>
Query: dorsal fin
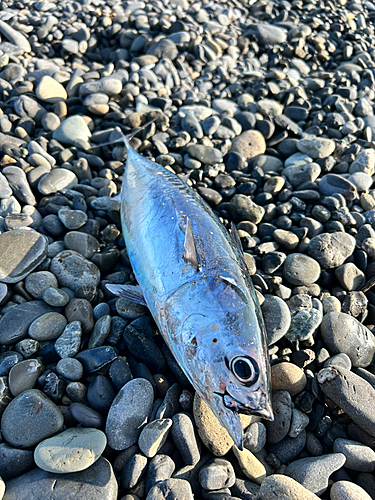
<point x="236" y="237"/>
<point x="190" y="254"/>
<point x="185" y="177"/>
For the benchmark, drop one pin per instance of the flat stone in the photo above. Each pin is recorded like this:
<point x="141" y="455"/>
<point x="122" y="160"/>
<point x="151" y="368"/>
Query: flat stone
<point x="30" y="418"/>
<point x="15" y="37"/>
<point x="73" y="450"/>
<point x="21" y="251"/>
<point x="153" y="436"/>
<point x="98" y="482"/>
<point x="316" y="147"/>
<point x="49" y="326"/>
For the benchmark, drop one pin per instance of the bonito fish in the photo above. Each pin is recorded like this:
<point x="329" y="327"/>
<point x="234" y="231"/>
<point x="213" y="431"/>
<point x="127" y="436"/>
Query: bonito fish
<point x="193" y="278"/>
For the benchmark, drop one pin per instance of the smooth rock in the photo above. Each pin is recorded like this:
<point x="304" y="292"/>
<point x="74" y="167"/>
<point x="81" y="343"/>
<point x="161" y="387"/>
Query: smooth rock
<point x="129" y="410"/>
<point x="98" y="482"/>
<point x="21" y="251"/>
<point x="30" y="418"/>
<point x="72" y="450"/>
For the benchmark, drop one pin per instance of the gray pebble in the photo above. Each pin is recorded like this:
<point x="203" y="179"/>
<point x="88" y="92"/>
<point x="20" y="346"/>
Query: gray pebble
<point x="153" y="436"/>
<point x="184" y="438"/>
<point x="47" y="327"/>
<point x="300" y="269"/>
<point x="359" y="457"/>
<point x="331" y="249"/>
<point x="313" y="472"/>
<point x="130" y="408"/>
<point x="30" y="418"/>
<point x="357" y="341"/>
<point x="73" y="270"/>
<point x="55" y="297"/>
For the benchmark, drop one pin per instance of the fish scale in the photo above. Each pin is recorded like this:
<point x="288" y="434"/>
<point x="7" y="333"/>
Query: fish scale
<point x="194" y="281"/>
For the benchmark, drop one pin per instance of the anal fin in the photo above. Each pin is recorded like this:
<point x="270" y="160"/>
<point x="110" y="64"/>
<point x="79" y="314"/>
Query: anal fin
<point x="190" y="254"/>
<point x="129" y="292"/>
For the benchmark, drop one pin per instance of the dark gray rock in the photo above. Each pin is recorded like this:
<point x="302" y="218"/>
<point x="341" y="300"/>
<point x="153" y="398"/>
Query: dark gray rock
<point x="314" y="472"/>
<point x="130" y="408"/>
<point x="15" y="323"/>
<point x="73" y="270"/>
<point x="344" y="334"/>
<point x="98" y="482"/>
<point x="21" y="251"/>
<point x="30" y="418"/>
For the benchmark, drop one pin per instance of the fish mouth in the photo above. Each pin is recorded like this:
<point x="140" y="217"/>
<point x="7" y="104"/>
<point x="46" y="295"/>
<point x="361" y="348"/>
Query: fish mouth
<point x="263" y="408"/>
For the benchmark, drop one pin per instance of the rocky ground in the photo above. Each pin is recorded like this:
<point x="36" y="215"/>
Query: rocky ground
<point x="270" y="107"/>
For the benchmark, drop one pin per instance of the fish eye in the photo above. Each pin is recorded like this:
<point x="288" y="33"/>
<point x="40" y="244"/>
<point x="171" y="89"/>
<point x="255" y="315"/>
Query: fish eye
<point x="245" y="369"/>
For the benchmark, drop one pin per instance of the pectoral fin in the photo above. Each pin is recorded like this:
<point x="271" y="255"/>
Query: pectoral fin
<point x="190" y="254"/>
<point x="129" y="292"/>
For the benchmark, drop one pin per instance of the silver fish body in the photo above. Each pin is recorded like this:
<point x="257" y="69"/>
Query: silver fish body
<point x="206" y="311"/>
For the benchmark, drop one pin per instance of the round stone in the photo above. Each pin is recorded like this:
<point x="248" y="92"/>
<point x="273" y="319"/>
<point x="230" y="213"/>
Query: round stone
<point x="30" y="418"/>
<point x="331" y="249"/>
<point x="70" y="368"/>
<point x="50" y="91"/>
<point x="72" y="129"/>
<point x="74" y="271"/>
<point x="55" y="297"/>
<point x="57" y="180"/>
<point x="21" y="251"/>
<point x="47" y="327"/>
<point x="37" y="283"/>
<point x="249" y="144"/>
<point x="73" y="450"/>
<point x="299" y="269"/>
<point x="244" y="209"/>
<point x="288" y="377"/>
<point x="342" y="333"/>
<point x="346" y="490"/>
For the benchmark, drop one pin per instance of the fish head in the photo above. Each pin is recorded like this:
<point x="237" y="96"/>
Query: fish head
<point x="218" y="338"/>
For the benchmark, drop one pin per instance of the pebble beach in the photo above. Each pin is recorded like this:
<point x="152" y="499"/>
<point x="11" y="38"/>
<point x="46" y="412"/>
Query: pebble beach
<point x="269" y="106"/>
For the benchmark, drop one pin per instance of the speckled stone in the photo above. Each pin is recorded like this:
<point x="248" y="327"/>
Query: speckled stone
<point x="212" y="434"/>
<point x="287" y="377"/>
<point x="346" y="490"/>
<point x="284" y="488"/>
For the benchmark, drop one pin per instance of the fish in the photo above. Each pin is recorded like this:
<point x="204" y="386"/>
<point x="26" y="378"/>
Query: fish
<point x="192" y="276"/>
